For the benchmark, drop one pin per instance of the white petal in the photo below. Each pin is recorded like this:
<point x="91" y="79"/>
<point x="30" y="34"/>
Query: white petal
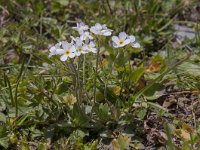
<point x="98" y="26"/>
<point x="58" y="45"/>
<point x="127" y="41"/>
<point x="93" y="30"/>
<point x="72" y="49"/>
<point x="132" y="38"/>
<point x="63" y="57"/>
<point x="85" y="47"/>
<point x="60" y="51"/>
<point x="122" y="35"/>
<point x="77" y="53"/>
<point x="52" y="49"/>
<point x="90" y="37"/>
<point x="115" y="45"/>
<point x="92" y="44"/>
<point x="79" y="42"/>
<point x="135" y="45"/>
<point x="72" y="55"/>
<point x="85" y="27"/>
<point x="87" y="40"/>
<point x="115" y="39"/>
<point x="84" y="52"/>
<point x="106" y="33"/>
<point x="94" y="50"/>
<point x="65" y="45"/>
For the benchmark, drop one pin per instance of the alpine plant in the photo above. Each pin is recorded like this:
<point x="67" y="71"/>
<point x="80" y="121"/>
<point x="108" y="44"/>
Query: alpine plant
<point x="85" y="43"/>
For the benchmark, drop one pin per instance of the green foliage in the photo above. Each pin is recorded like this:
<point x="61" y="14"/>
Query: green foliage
<point x="38" y="103"/>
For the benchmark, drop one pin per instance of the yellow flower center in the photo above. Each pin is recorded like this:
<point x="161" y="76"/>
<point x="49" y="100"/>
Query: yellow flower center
<point x="89" y="46"/>
<point x="79" y="49"/>
<point x="121" y="42"/>
<point x="67" y="52"/>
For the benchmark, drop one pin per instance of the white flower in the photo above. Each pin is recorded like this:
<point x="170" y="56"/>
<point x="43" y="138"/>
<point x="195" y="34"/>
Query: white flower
<point x="79" y="47"/>
<point x="133" y="43"/>
<point x="68" y="51"/>
<point x="100" y="29"/>
<point x="81" y="27"/>
<point x="90" y="46"/>
<point x="121" y="40"/>
<point x="86" y="35"/>
<point x="132" y="38"/>
<point x="54" y="50"/>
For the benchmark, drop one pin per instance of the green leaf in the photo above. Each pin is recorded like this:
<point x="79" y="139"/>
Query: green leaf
<point x="141" y="113"/>
<point x="123" y="141"/>
<point x="190" y="68"/>
<point x="151" y="93"/>
<point x="42" y="146"/>
<point x="102" y="111"/>
<point x="136" y="75"/>
<point x="4" y="142"/>
<point x="25" y="147"/>
<point x="39" y="7"/>
<point x="2" y="131"/>
<point x="78" y="116"/>
<point x="157" y="107"/>
<point x="2" y="117"/>
<point x="63" y="2"/>
<point x="77" y="135"/>
<point x="2" y="106"/>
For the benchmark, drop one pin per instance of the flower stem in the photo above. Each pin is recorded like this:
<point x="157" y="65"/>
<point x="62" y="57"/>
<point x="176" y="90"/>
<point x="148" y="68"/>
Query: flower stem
<point x="95" y="75"/>
<point x="108" y="76"/>
<point x="78" y="80"/>
<point x="84" y="58"/>
<point x="75" y="80"/>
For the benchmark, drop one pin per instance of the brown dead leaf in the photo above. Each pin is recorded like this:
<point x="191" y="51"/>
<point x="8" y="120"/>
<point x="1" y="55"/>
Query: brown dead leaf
<point x="154" y="67"/>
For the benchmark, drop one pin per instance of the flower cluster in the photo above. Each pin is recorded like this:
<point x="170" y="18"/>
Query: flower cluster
<point x="123" y="39"/>
<point x="85" y="42"/>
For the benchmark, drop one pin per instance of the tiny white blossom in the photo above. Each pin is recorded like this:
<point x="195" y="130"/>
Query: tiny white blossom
<point x="81" y="27"/>
<point x="79" y="47"/>
<point x="100" y="29"/>
<point x="55" y="49"/>
<point x="86" y="35"/>
<point x="133" y="43"/>
<point x="121" y="40"/>
<point x="90" y="47"/>
<point x="132" y="38"/>
<point x="68" y="51"/>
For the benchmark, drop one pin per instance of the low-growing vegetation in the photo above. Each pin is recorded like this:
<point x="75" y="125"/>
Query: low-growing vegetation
<point x="107" y="74"/>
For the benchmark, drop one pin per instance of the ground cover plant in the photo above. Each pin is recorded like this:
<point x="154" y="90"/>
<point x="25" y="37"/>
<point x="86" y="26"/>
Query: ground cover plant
<point x="107" y="74"/>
